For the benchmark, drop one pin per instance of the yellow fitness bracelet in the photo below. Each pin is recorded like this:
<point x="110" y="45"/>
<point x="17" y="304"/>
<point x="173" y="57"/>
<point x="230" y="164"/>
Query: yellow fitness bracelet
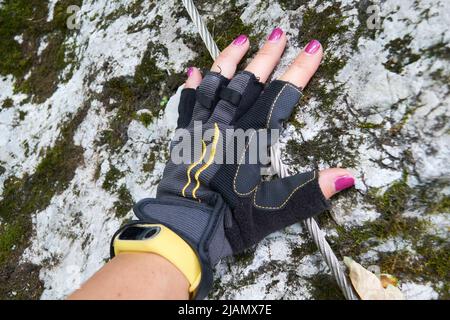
<point x="158" y="239"/>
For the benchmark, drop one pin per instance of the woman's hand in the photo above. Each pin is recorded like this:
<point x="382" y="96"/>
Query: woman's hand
<point x="262" y="65"/>
<point x="222" y="220"/>
<point x="220" y="208"/>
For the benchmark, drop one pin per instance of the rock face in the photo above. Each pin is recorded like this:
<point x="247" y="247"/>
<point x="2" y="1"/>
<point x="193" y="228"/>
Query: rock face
<point x="88" y="104"/>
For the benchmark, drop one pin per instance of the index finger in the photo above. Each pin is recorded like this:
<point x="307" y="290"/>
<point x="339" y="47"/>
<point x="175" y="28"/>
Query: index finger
<point x="228" y="60"/>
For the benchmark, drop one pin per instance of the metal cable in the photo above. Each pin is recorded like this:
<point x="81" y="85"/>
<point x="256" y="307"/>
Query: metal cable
<point x="279" y="167"/>
<point x="317" y="234"/>
<point x="202" y="29"/>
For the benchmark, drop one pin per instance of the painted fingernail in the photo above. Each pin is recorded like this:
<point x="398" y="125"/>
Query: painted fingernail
<point x="189" y="71"/>
<point x="275" y="35"/>
<point x="312" y="47"/>
<point x="240" y="40"/>
<point x="344" y="182"/>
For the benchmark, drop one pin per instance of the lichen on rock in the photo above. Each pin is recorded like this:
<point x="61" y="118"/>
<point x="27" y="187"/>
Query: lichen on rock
<point x="86" y="116"/>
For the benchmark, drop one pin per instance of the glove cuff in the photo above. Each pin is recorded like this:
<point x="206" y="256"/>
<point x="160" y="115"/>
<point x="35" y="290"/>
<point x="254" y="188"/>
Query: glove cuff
<point x="200" y="225"/>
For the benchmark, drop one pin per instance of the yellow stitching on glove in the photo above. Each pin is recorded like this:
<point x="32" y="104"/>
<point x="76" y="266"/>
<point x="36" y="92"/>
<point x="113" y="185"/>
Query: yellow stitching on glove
<point x="183" y="192"/>
<point x="212" y="154"/>
<point x="287" y="199"/>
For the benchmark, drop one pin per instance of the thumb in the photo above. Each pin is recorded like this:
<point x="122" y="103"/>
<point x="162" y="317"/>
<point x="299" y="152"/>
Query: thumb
<point x="333" y="180"/>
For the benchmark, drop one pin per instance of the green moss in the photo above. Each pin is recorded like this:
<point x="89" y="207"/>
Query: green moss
<point x="428" y="259"/>
<point x="391" y="205"/>
<point x="317" y="88"/>
<point x="15" y="18"/>
<point x="369" y="125"/>
<point x="155" y="26"/>
<point x="427" y="262"/>
<point x="392" y="223"/>
<point x="10" y="235"/>
<point x="398" y="263"/>
<point x="97" y="171"/>
<point x="159" y="152"/>
<point x="7" y="103"/>
<point x="111" y="178"/>
<point x="23" y="197"/>
<point x="441" y="206"/>
<point x="297" y="124"/>
<point x="126" y="95"/>
<point x="271" y="267"/>
<point x="393" y="201"/>
<point x="224" y="28"/>
<point x="439" y="50"/>
<point x="436" y="257"/>
<point x="441" y="76"/>
<point x="322" y="25"/>
<point x="300" y="251"/>
<point x="28" y="19"/>
<point x="400" y="54"/>
<point x="430" y="263"/>
<point x="132" y="8"/>
<point x="164" y="101"/>
<point x="22" y="115"/>
<point x="229" y="26"/>
<point x="125" y="202"/>
<point x="145" y="118"/>
<point x="358" y="240"/>
<point x="326" y="147"/>
<point x="245" y="258"/>
<point x="291" y="4"/>
<point x="398" y="126"/>
<point x="324" y="287"/>
<point x="149" y="165"/>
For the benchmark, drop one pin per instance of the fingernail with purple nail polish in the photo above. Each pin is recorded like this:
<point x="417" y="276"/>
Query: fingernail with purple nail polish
<point x="344" y="182"/>
<point x="189" y="71"/>
<point x="275" y="35"/>
<point x="312" y="47"/>
<point x="240" y="40"/>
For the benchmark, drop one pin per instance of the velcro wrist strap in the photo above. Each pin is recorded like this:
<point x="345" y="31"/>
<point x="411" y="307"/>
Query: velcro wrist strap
<point x="199" y="224"/>
<point x="230" y="95"/>
<point x="204" y="100"/>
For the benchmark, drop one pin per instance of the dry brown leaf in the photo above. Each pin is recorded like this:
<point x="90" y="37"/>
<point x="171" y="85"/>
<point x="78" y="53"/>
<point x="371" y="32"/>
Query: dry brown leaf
<point x="387" y="279"/>
<point x="368" y="286"/>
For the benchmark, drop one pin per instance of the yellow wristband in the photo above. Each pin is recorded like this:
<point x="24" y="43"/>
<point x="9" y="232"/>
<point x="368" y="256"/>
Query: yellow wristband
<point x="167" y="244"/>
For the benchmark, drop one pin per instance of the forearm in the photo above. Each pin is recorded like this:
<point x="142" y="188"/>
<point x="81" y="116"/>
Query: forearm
<point x="135" y="276"/>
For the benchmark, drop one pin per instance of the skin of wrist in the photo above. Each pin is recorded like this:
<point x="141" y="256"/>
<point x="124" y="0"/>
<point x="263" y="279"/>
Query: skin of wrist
<point x="138" y="276"/>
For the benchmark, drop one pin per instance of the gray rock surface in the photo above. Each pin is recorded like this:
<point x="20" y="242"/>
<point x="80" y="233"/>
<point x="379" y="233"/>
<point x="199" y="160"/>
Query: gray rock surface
<point x="86" y="115"/>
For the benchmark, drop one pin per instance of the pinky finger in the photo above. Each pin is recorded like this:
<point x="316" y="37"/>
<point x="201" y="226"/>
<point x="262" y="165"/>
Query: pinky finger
<point x="194" y="78"/>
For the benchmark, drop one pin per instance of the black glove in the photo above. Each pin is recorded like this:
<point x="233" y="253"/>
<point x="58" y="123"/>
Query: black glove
<point x="222" y="209"/>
